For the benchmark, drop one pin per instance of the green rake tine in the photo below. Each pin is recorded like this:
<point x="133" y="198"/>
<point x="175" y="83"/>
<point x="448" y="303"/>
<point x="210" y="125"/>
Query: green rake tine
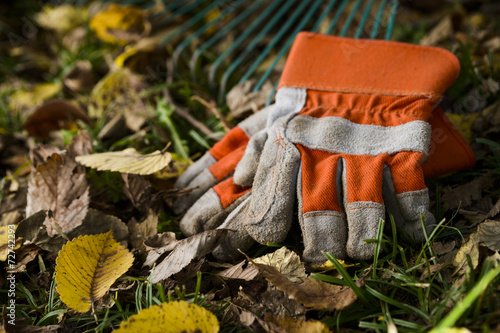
<point x="198" y="17"/>
<point x="364" y="18"/>
<point x="378" y="19"/>
<point x="223" y="32"/>
<point x="337" y="16"/>
<point x="287" y="45"/>
<point x="181" y="9"/>
<point x="349" y="18"/>
<point x="199" y="32"/>
<point x="250" y="47"/>
<point x="392" y="18"/>
<point x="243" y="37"/>
<point x="280" y="35"/>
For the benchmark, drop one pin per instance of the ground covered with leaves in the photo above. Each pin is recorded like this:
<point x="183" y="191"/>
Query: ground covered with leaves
<point x="96" y="125"/>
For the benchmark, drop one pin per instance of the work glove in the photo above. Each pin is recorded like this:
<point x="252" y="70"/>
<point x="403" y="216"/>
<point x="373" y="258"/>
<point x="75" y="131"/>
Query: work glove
<point x="449" y="152"/>
<point x="211" y="176"/>
<point x="352" y="131"/>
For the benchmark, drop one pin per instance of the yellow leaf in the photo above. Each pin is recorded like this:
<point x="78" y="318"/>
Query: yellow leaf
<point x="463" y="123"/>
<point x="41" y="92"/>
<point x="8" y="242"/>
<point x="328" y="266"/>
<point x="87" y="266"/>
<point x="174" y="169"/>
<point x="291" y="325"/>
<point x="171" y="317"/>
<point x="118" y="24"/>
<point x="127" y="161"/>
<point x="62" y="18"/>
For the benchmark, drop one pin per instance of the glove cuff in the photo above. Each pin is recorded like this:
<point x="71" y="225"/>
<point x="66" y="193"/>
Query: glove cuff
<point x="323" y="62"/>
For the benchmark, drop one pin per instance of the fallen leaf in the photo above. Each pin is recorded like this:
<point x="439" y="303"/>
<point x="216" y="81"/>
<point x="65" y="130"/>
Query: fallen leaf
<point x="440" y="32"/>
<point x="471" y="249"/>
<point x="286" y="262"/>
<point x="25" y="255"/>
<point x="62" y="18"/>
<point x="52" y="116"/>
<point x="463" y="123"/>
<point x="163" y="240"/>
<point x="241" y="99"/>
<point x="464" y="195"/>
<point x="442" y="248"/>
<point x="173" y="317"/>
<point x="489" y="234"/>
<point x="80" y="78"/>
<point x="127" y="161"/>
<point x="241" y="271"/>
<point x="138" y="190"/>
<point x="87" y="266"/>
<point x="187" y="250"/>
<point x="32" y="229"/>
<point x="8" y="241"/>
<point x="30" y="98"/>
<point x="139" y="231"/>
<point x="119" y="24"/>
<point x="291" y="325"/>
<point x="311" y="293"/>
<point x="60" y="185"/>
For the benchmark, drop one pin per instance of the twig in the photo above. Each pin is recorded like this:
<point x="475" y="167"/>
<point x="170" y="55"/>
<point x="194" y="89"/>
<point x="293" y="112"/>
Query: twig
<point x="184" y="113"/>
<point x="215" y="111"/>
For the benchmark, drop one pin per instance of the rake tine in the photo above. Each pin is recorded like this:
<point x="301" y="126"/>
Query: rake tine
<point x="202" y="30"/>
<point x="363" y="19"/>
<point x="349" y="19"/>
<point x="243" y="37"/>
<point x="223" y="32"/>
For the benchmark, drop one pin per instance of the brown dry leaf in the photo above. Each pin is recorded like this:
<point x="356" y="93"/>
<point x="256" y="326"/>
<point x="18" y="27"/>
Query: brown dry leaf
<point x="52" y="116"/>
<point x="59" y="185"/>
<point x="311" y="293"/>
<point x="489" y="234"/>
<point x="464" y="195"/>
<point x="163" y="240"/>
<point x="241" y="99"/>
<point x="138" y="190"/>
<point x="32" y="229"/>
<point x="286" y="262"/>
<point x="25" y="255"/>
<point x="139" y="231"/>
<point x="241" y="271"/>
<point x="187" y="250"/>
<point x="127" y="161"/>
<point x="80" y="78"/>
<point x="440" y="32"/>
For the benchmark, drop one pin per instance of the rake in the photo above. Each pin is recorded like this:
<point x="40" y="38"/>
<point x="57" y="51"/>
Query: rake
<point x="266" y="30"/>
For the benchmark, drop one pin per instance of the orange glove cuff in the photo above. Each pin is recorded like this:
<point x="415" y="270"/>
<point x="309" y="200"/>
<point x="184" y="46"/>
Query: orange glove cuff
<point x="323" y="62"/>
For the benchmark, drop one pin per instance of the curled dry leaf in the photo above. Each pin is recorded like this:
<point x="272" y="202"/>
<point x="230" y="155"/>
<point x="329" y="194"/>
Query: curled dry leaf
<point x="286" y="262"/>
<point x="241" y="271"/>
<point x="86" y="268"/>
<point x="187" y="250"/>
<point x="311" y="293"/>
<point x="52" y="116"/>
<point x="139" y="231"/>
<point x="241" y="98"/>
<point x="59" y="185"/>
<point x="127" y="161"/>
<point x="173" y="317"/>
<point x="465" y="195"/>
<point x="138" y="190"/>
<point x="33" y="230"/>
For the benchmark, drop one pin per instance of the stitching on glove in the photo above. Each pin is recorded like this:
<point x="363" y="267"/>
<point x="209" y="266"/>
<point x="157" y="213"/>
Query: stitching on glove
<point x="366" y="207"/>
<point x="314" y="214"/>
<point x="412" y="193"/>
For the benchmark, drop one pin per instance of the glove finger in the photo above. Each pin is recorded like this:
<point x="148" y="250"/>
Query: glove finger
<point x="239" y="239"/>
<point x="194" y="170"/>
<point x="321" y="216"/>
<point x="208" y="178"/>
<point x="244" y="173"/>
<point x="362" y="183"/>
<point x="210" y="210"/>
<point x="270" y="211"/>
<point x="406" y="194"/>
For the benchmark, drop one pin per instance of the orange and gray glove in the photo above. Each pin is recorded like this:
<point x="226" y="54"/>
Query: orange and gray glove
<point x="352" y="133"/>
<point x="449" y="153"/>
<point x="211" y="178"/>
